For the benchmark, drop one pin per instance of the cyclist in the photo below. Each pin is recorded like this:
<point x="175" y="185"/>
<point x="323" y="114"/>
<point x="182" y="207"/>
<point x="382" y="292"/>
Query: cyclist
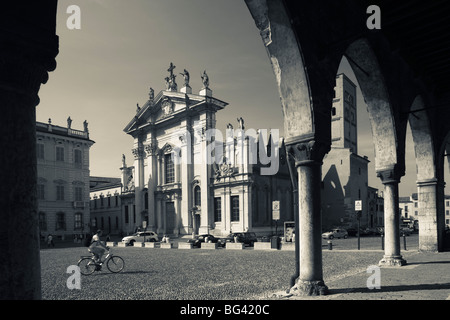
<point x="97" y="247"/>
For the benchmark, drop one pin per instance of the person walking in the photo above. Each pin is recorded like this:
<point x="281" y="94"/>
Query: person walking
<point x="50" y="241"/>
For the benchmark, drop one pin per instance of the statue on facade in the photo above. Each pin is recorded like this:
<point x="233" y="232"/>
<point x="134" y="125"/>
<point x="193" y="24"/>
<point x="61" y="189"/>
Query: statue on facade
<point x="186" y="77"/>
<point x="171" y="67"/>
<point x="167" y="83"/>
<point x="124" y="164"/>
<point x="171" y="85"/>
<point x="241" y="123"/>
<point x="205" y="80"/>
<point x="69" y="122"/>
<point x="85" y="124"/>
<point x="151" y="94"/>
<point x="138" y="108"/>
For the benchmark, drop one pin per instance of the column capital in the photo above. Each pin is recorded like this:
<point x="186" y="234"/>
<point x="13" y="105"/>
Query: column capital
<point x="308" y="151"/>
<point x="138" y="153"/>
<point x="150" y="149"/>
<point x="390" y="175"/>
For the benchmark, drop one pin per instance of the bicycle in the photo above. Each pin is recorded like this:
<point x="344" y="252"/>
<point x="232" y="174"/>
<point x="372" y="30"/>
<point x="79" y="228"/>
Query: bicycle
<point x="88" y="265"/>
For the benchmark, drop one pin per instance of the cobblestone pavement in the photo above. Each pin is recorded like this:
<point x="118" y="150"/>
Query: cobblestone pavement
<point x="197" y="274"/>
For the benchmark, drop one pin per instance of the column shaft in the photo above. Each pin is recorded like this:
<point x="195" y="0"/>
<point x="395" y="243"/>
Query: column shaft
<point x="310" y="280"/>
<point x="392" y="256"/>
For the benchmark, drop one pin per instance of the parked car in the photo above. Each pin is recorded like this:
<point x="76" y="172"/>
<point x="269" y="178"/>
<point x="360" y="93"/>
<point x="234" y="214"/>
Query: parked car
<point x="197" y="240"/>
<point x="247" y="238"/>
<point x="140" y="237"/>
<point x="335" y="233"/>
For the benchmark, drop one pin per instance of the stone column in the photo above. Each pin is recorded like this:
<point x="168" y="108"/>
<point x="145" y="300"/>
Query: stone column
<point x="392" y="256"/>
<point x="152" y="167"/>
<point x="431" y="215"/>
<point x="186" y="168"/>
<point x="139" y="183"/>
<point x="159" y="219"/>
<point x="29" y="47"/>
<point x="308" y="157"/>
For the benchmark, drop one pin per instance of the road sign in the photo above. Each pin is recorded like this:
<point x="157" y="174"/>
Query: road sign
<point x="358" y="205"/>
<point x="276" y="205"/>
<point x="276" y="210"/>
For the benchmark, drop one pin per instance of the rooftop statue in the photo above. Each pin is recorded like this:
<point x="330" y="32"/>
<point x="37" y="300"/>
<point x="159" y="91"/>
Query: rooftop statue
<point x="205" y="79"/>
<point x="151" y="94"/>
<point x="186" y="77"/>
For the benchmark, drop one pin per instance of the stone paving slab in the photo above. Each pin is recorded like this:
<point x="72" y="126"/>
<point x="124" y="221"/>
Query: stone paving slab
<point x="425" y="277"/>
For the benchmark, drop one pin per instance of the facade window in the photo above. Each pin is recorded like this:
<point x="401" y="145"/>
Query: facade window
<point x="169" y="169"/>
<point x="127" y="215"/>
<point x="40" y="192"/>
<point x="117" y="200"/>
<point x="59" y="153"/>
<point x="197" y="196"/>
<point x="109" y="201"/>
<point x="59" y="192"/>
<point x="447" y="212"/>
<point x="101" y="201"/>
<point x="40" y="151"/>
<point x="416" y="213"/>
<point x="234" y="208"/>
<point x="60" y="221"/>
<point x="416" y="204"/>
<point x="217" y="209"/>
<point x="77" y="157"/>
<point x="78" y="217"/>
<point x="103" y="223"/>
<point x="117" y="222"/>
<point x="42" y="221"/>
<point x="134" y="213"/>
<point x="447" y="203"/>
<point x="78" y="194"/>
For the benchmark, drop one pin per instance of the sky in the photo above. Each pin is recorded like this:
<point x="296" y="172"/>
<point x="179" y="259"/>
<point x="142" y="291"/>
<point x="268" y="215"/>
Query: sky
<point x="125" y="47"/>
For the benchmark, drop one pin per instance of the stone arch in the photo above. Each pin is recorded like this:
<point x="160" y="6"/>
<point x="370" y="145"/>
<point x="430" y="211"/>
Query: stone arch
<point x="305" y="95"/>
<point x="424" y="145"/>
<point x="367" y="70"/>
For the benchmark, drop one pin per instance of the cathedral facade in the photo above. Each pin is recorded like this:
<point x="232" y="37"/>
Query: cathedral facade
<point x="188" y="177"/>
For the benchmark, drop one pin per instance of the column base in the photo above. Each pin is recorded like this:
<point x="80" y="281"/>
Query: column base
<point x="309" y="288"/>
<point x="392" y="261"/>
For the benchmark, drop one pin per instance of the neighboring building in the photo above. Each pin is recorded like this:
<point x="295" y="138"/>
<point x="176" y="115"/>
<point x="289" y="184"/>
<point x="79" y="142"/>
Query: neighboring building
<point x="344" y="172"/>
<point x="106" y="205"/>
<point x="63" y="179"/>
<point x="447" y="211"/>
<point x="407" y="207"/>
<point x="409" y="210"/>
<point x="193" y="195"/>
<point x="375" y="208"/>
